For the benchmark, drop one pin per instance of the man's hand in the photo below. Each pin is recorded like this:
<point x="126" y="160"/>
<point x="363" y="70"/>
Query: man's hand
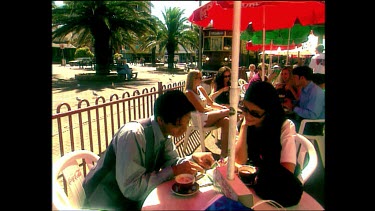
<point x="288" y="104"/>
<point x="204" y="159"/>
<point x="187" y="167"/>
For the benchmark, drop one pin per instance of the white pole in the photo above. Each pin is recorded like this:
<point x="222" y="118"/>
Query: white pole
<point x="234" y="89"/>
<point x="264" y="40"/>
<point x="287" y="50"/>
<point x="270" y="62"/>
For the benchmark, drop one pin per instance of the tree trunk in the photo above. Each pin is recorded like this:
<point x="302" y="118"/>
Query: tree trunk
<point x="103" y="52"/>
<point x="170" y="51"/>
<point x="153" y="56"/>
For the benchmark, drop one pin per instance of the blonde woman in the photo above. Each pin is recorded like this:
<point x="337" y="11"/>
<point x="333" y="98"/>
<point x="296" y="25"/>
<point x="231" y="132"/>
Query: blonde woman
<point x="212" y="113"/>
<point x="285" y="86"/>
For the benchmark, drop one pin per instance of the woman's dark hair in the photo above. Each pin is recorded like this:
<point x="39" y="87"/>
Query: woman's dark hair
<point x="172" y="106"/>
<point x="219" y="78"/>
<point x="265" y="140"/>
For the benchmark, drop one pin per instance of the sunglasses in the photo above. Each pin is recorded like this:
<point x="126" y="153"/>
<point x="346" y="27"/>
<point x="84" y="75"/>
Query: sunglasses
<point x="226" y="76"/>
<point x="251" y="112"/>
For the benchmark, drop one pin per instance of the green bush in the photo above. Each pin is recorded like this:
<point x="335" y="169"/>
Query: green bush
<point x="83" y="52"/>
<point x="117" y="56"/>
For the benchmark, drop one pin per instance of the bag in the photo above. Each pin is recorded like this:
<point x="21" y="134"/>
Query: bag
<point x="226" y="204"/>
<point x="279" y="184"/>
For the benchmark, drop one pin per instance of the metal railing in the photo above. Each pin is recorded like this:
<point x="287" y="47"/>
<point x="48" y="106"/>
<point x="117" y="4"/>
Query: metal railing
<point x="92" y="127"/>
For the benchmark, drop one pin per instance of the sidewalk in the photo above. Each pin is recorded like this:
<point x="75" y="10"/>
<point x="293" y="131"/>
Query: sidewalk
<point x="65" y="88"/>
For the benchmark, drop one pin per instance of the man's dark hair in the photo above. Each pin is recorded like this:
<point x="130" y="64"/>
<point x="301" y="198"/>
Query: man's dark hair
<point x="172" y="106"/>
<point x="305" y="71"/>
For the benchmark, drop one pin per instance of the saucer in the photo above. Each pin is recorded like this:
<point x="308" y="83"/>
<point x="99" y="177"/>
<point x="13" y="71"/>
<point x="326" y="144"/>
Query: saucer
<point x="193" y="190"/>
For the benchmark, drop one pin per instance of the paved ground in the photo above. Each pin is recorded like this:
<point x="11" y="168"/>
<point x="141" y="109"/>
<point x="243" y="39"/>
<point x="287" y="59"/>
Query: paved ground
<point x="65" y="89"/>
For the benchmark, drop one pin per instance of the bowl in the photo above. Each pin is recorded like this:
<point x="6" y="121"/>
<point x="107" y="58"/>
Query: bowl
<point x="247" y="174"/>
<point x="185" y="181"/>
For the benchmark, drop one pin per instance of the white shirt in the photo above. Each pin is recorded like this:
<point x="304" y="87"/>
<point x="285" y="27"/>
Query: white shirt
<point x="288" y="144"/>
<point x="317" y="63"/>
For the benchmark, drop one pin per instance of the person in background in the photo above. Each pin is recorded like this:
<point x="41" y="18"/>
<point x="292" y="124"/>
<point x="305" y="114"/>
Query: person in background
<point x="221" y="86"/>
<point x="317" y="63"/>
<point x="258" y="74"/>
<point x="212" y="113"/>
<point x="123" y="69"/>
<point x="273" y="73"/>
<point x="311" y="102"/>
<point x="142" y="155"/>
<point x="266" y="141"/>
<point x="242" y="73"/>
<point x="251" y="72"/>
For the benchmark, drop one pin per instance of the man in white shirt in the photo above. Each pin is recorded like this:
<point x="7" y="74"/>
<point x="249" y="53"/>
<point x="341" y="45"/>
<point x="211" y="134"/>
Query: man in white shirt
<point x="317" y="63"/>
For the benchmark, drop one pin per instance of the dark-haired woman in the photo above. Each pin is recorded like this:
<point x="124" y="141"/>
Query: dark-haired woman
<point x="221" y="86"/>
<point x="266" y="141"/>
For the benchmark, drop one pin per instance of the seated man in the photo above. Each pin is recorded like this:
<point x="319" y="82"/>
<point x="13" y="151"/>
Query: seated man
<point x="311" y="103"/>
<point x="123" y="69"/>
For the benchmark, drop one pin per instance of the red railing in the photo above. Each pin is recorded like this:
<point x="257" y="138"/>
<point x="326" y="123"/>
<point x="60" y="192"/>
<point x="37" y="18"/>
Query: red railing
<point x="91" y="127"/>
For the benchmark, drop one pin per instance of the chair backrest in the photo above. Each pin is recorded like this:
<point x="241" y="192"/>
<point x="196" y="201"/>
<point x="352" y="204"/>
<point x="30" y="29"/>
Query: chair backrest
<point x="320" y="139"/>
<point x="207" y="87"/>
<point x="68" y="174"/>
<point x="306" y="157"/>
<point x="241" y="81"/>
<point x="306" y="121"/>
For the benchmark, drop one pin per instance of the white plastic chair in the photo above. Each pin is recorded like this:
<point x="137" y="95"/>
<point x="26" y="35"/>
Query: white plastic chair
<point x="306" y="157"/>
<point x="241" y="81"/>
<point x="73" y="166"/>
<point x="196" y="123"/>
<point x="206" y="87"/>
<point x="243" y="89"/>
<point x="320" y="139"/>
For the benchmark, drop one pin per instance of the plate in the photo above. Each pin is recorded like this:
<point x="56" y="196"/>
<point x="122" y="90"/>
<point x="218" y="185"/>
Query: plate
<point x="194" y="189"/>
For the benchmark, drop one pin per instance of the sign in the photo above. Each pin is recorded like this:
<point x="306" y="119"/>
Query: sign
<point x="216" y="33"/>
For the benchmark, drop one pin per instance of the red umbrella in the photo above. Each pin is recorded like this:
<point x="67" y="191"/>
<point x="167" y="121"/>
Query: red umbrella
<point x="260" y="15"/>
<point x="257" y="47"/>
<point x="270" y="14"/>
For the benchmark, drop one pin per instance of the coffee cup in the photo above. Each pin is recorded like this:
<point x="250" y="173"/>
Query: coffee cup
<point x="247" y="174"/>
<point x="185" y="181"/>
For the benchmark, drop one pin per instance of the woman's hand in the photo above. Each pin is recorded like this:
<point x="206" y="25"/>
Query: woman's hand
<point x="287" y="87"/>
<point x="225" y="89"/>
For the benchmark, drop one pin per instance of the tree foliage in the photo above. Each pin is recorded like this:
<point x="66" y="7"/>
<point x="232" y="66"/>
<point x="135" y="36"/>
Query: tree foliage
<point x="107" y="24"/>
<point x="168" y="36"/>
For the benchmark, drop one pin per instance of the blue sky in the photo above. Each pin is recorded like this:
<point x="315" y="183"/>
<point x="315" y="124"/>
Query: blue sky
<point x="189" y="7"/>
<point x="158" y="8"/>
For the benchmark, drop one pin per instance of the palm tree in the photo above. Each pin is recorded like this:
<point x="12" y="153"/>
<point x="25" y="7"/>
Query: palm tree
<point x="107" y="24"/>
<point x="171" y="34"/>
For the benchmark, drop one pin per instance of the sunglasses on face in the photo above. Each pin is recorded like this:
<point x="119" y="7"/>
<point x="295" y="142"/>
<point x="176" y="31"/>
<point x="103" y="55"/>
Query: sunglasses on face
<point x="226" y="76"/>
<point x="251" y="112"/>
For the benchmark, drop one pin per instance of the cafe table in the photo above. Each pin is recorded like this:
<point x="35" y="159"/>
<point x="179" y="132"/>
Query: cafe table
<point x="163" y="198"/>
